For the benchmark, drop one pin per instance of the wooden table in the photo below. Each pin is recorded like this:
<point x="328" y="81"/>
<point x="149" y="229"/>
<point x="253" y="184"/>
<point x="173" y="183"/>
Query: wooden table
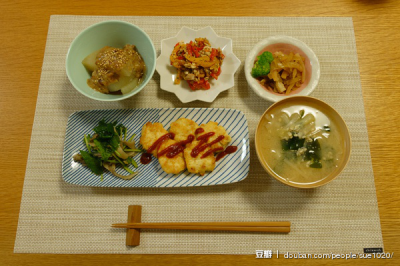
<point x="23" y="31"/>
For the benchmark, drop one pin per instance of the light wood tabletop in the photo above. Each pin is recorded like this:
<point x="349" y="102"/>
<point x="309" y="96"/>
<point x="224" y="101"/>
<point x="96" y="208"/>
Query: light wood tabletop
<point x="23" y="32"/>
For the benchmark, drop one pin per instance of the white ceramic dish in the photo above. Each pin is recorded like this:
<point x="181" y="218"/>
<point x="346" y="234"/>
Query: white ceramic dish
<point x="285" y="44"/>
<point x="230" y="169"/>
<point x="182" y="91"/>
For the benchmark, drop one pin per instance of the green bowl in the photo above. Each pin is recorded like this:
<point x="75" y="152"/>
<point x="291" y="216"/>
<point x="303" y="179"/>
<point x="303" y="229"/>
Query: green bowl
<point x="107" y="33"/>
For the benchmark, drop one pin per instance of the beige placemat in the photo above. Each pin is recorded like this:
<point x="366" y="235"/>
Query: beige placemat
<point x="341" y="217"/>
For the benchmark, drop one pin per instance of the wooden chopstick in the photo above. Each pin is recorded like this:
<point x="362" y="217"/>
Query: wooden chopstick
<point x="242" y="224"/>
<point x="278" y="227"/>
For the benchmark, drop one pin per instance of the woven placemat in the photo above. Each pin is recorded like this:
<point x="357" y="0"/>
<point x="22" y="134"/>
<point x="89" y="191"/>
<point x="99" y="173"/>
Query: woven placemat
<point x="340" y="217"/>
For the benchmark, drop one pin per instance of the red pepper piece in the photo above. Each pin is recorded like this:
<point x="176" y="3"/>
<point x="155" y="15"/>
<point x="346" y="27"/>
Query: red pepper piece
<point x="219" y="71"/>
<point x="195" y="48"/>
<point x="191" y="85"/>
<point x="196" y="51"/>
<point x="215" y="75"/>
<point x="207" y="85"/>
<point x="200" y="44"/>
<point x="201" y="84"/>
<point x="213" y="53"/>
<point x="189" y="49"/>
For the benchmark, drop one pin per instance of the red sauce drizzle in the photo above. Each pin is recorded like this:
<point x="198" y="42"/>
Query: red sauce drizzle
<point x="195" y="150"/>
<point x="228" y="150"/>
<point x="160" y="140"/>
<point x="201" y="146"/>
<point x="206" y="136"/>
<point x="211" y="151"/>
<point x="145" y="158"/>
<point x="199" y="130"/>
<point x="174" y="149"/>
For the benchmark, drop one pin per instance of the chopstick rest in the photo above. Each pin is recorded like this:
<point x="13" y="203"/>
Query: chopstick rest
<point x="134" y="225"/>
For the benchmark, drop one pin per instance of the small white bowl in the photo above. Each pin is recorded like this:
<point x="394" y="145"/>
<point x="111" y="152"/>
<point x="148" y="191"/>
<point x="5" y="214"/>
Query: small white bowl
<point x="168" y="73"/>
<point x="285" y="44"/>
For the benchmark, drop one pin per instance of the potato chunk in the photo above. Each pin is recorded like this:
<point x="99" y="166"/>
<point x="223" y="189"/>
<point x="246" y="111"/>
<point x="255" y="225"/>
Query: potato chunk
<point x="90" y="61"/>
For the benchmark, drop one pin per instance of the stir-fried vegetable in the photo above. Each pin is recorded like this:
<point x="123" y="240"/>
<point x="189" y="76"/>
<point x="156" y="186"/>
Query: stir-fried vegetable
<point x="281" y="72"/>
<point x="197" y="62"/>
<point x="107" y="148"/>
<point x="287" y="73"/>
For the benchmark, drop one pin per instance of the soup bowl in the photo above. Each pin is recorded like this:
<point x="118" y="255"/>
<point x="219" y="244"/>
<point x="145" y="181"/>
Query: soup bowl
<point x="302" y="142"/>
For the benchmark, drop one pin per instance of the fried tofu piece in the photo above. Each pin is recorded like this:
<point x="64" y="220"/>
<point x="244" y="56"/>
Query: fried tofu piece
<point x="150" y="134"/>
<point x="173" y="165"/>
<point x="182" y="128"/>
<point x="219" y="130"/>
<point x="198" y="165"/>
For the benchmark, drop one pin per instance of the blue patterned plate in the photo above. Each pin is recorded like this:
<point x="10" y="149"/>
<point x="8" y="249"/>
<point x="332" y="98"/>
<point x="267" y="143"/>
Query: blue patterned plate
<point x="230" y="169"/>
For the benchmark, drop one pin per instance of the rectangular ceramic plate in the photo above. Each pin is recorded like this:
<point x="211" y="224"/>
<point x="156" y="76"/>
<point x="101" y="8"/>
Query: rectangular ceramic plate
<point x="232" y="168"/>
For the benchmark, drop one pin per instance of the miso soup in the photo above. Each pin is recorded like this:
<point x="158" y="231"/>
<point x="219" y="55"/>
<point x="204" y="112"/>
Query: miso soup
<point x="300" y="143"/>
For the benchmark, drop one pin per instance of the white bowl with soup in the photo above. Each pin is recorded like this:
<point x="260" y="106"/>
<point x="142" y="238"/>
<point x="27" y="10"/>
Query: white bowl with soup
<point x="302" y="142"/>
<point x="308" y="71"/>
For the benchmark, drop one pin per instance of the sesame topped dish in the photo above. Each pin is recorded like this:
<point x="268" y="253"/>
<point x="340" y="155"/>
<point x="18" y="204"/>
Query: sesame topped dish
<point x="197" y="62"/>
<point x="115" y="70"/>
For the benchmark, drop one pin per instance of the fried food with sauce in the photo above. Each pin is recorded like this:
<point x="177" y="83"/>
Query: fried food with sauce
<point x="198" y="165"/>
<point x="219" y="130"/>
<point x="182" y="128"/>
<point x="173" y="165"/>
<point x="150" y="134"/>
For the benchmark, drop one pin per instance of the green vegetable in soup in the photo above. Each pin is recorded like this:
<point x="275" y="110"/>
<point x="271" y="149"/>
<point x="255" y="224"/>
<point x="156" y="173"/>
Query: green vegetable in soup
<point x="326" y="128"/>
<point x="294" y="143"/>
<point x="313" y="153"/>
<point x="312" y="150"/>
<point x="298" y="139"/>
<point x="316" y="165"/>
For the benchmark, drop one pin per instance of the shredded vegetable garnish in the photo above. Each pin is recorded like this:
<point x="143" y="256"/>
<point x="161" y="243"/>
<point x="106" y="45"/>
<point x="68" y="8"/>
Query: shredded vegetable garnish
<point x="107" y="148"/>
<point x="283" y="73"/>
<point x="197" y="62"/>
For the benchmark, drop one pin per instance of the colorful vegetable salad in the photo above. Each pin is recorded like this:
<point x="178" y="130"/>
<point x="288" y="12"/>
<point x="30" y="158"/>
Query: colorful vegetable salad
<point x="197" y="62"/>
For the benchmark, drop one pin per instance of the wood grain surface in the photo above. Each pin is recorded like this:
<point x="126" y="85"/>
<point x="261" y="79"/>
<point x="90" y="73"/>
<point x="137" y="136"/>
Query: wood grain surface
<point x="23" y="32"/>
